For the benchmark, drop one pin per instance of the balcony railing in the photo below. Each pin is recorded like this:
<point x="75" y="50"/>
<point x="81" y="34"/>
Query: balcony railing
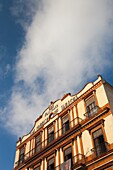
<point x="45" y="143"/>
<point x="91" y="112"/>
<point x="19" y="162"/>
<point x="77" y="161"/>
<point x="100" y="149"/>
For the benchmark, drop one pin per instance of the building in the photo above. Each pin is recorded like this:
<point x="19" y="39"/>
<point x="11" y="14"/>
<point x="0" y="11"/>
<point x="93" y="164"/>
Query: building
<point x="75" y="132"/>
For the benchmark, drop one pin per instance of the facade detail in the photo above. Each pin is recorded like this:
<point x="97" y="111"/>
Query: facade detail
<point x="73" y="133"/>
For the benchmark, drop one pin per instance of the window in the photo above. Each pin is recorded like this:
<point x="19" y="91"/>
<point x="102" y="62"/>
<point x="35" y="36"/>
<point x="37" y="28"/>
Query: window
<point x="67" y="159"/>
<point x="99" y="143"/>
<point x="65" y="124"/>
<point x="66" y="165"/>
<point x="50" y="134"/>
<point x="21" y="155"/>
<point x="91" y="106"/>
<point x="37" y="143"/>
<point x="67" y="154"/>
<point x="50" y="164"/>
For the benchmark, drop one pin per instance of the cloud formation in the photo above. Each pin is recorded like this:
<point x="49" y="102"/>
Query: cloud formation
<point x="24" y="10"/>
<point x="66" y="44"/>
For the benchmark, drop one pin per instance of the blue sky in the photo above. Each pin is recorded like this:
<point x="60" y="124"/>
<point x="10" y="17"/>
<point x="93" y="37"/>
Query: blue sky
<point x="48" y="48"/>
<point x="11" y="37"/>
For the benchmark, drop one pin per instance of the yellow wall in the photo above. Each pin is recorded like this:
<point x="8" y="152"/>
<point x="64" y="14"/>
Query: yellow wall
<point x="16" y="157"/>
<point x="109" y="91"/>
<point x="87" y="144"/>
<point x="101" y="96"/>
<point x="27" y="147"/>
<point x="81" y="109"/>
<point x="108" y="125"/>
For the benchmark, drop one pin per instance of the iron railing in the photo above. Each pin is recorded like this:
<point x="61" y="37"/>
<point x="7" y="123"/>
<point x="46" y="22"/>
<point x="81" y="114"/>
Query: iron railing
<point x="76" y="161"/>
<point x="100" y="149"/>
<point x="91" y="112"/>
<point x="79" y="159"/>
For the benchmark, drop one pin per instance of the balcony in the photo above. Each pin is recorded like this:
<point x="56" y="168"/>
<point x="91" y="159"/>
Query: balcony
<point x="54" y="138"/>
<point x="79" y="161"/>
<point x="100" y="149"/>
<point x="19" y="162"/>
<point x="91" y="112"/>
<point x="76" y="163"/>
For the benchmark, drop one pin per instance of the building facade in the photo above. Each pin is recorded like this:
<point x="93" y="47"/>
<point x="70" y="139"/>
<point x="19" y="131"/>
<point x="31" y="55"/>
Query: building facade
<point x="75" y="132"/>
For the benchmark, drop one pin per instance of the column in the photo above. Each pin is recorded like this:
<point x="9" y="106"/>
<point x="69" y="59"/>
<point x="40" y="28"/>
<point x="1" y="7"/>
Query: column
<point x="73" y="147"/>
<point x="60" y="126"/>
<point x="56" y="129"/>
<point x="81" y="144"/>
<point x="71" y="118"/>
<point x="73" y="151"/>
<point x="32" y="147"/>
<point x="45" y="164"/>
<point x="75" y="115"/>
<point x="78" y="142"/>
<point x="45" y="138"/>
<point x="42" y="164"/>
<point x="76" y="149"/>
<point x="61" y="156"/>
<point x="57" y="158"/>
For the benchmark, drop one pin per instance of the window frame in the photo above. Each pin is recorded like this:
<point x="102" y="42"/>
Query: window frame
<point x="88" y="113"/>
<point x="49" y="158"/>
<point x="21" y="160"/>
<point x="38" y="143"/>
<point x="64" y="124"/>
<point x="103" y="133"/>
<point x="49" y="134"/>
<point x="72" y="153"/>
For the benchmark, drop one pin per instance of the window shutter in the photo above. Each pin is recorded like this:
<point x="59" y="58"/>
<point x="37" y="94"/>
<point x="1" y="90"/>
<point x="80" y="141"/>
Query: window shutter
<point x="22" y="151"/>
<point x="51" y="129"/>
<point x="38" y="139"/>
<point x="65" y="119"/>
<point x="67" y="151"/>
<point x="97" y="133"/>
<point x="90" y="100"/>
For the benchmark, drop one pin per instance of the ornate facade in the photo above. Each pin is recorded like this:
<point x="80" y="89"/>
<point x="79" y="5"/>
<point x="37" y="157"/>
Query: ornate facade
<point x="75" y="132"/>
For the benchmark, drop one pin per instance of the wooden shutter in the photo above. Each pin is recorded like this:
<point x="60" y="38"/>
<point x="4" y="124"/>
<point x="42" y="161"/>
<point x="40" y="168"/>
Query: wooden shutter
<point x="90" y="100"/>
<point x="97" y="133"/>
<point x="65" y="119"/>
<point x="67" y="151"/>
<point x="51" y="129"/>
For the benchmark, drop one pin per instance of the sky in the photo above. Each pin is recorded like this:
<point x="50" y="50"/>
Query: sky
<point x="48" y="48"/>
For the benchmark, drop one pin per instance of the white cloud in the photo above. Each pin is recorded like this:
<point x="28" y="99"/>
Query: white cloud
<point x="66" y="44"/>
<point x="24" y="10"/>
